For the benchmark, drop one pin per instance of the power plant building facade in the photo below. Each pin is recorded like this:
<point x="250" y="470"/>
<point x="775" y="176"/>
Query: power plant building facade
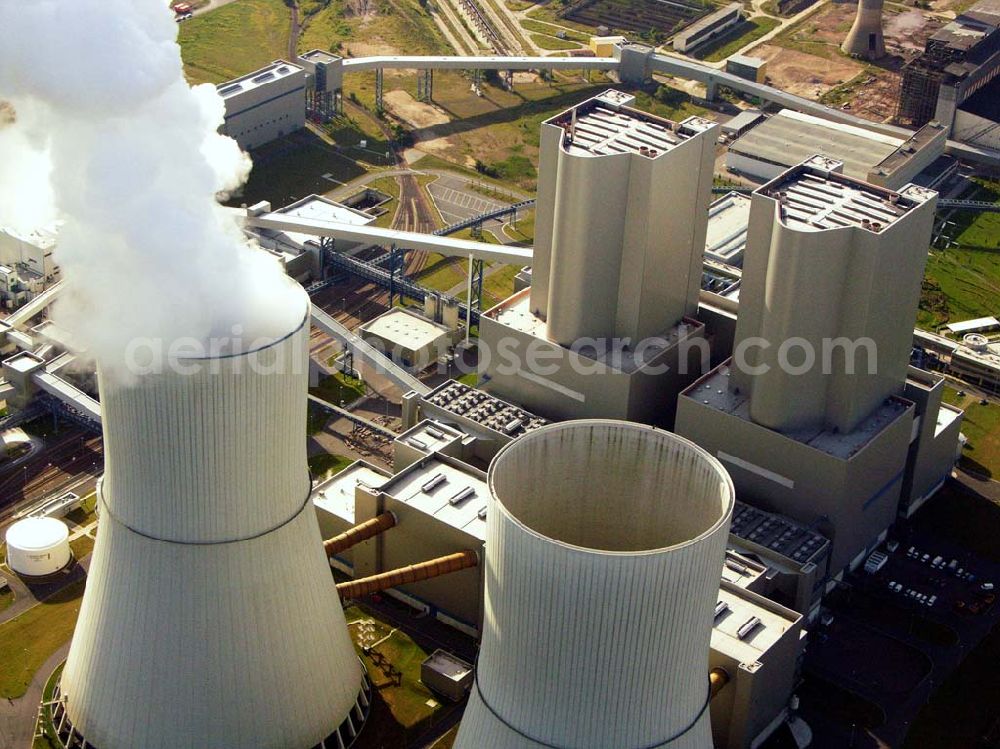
<point x="615" y="277"/>
<point x="265" y="104"/>
<point x="210" y="618"/>
<point x="822" y="438"/>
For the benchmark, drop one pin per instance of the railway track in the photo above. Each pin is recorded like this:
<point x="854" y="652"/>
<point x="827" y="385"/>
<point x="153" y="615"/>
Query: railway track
<point x="486" y="27"/>
<point x="74" y="461"/>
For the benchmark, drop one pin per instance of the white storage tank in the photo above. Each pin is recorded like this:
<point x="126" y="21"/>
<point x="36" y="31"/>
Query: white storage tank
<point x="38" y="546"/>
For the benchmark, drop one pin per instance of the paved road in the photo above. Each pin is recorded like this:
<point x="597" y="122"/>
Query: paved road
<point x="17" y="720"/>
<point x="457" y="200"/>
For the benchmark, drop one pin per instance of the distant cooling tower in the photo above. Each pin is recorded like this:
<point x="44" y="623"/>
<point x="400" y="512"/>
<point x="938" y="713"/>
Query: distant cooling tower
<point x="865" y="37"/>
<point x="604" y="544"/>
<point x="210" y="618"/>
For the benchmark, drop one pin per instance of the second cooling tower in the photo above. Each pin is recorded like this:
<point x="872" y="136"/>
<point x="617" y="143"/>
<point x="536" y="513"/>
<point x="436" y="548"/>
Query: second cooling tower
<point x="604" y="543"/>
<point x="210" y="617"/>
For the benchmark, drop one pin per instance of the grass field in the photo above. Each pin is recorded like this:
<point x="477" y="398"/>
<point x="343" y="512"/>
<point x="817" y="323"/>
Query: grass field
<point x="403" y="708"/>
<point x="963" y="281"/>
<point x="338" y="388"/>
<point x="81" y="546"/>
<point x="295" y="166"/>
<point x="981" y="425"/>
<point x="750" y="31"/>
<point x="553" y="30"/>
<point x="325" y="465"/>
<point x="234" y="40"/>
<point x="27" y="641"/>
<point x="6" y="599"/>
<point x="544" y="41"/>
<point x="402" y="24"/>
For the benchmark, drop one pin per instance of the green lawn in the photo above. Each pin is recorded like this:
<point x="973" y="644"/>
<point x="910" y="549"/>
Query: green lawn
<point x="403" y="707"/>
<point x="728" y="44"/>
<point x="981" y="425"/>
<point x="294" y="166"/>
<point x="234" y="40"/>
<point x="81" y="546"/>
<point x="6" y="598"/>
<point x="403" y="24"/>
<point x="325" y="465"/>
<point x="552" y="30"/>
<point x="545" y="41"/>
<point x="963" y="281"/>
<point x="27" y="641"/>
<point x="339" y="388"/>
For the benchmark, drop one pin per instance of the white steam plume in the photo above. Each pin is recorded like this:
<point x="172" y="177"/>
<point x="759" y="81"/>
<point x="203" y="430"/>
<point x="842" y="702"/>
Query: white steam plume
<point x="136" y="163"/>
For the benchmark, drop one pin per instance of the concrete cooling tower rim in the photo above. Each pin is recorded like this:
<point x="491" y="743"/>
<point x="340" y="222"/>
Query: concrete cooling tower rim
<point x="262" y="347"/>
<point x="725" y="481"/>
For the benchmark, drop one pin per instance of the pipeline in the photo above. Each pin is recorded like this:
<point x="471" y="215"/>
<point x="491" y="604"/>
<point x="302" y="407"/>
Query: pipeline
<point x="357" y="534"/>
<point x="410" y="574"/>
<point x="717" y="679"/>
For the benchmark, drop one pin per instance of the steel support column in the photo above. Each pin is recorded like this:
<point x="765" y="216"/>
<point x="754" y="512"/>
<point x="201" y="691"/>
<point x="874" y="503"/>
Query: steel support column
<point x="378" y="90"/>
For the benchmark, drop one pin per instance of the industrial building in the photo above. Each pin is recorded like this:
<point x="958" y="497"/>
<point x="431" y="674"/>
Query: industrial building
<point x="26" y="264"/>
<point x="790" y="137"/>
<point x="411" y="340"/>
<point x="825" y="441"/>
<point x="708" y="28"/>
<point x="751" y="68"/>
<point x="265" y="104"/>
<point x="440" y="500"/>
<point x="958" y="60"/>
<point x="589" y="519"/>
<point x="209" y="553"/>
<point x="324" y="83"/>
<point x="301" y="255"/>
<point x="977" y="120"/>
<point x="605" y="325"/>
<point x="726" y="235"/>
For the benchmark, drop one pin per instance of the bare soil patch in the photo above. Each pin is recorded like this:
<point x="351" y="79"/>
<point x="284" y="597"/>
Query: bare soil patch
<point x="416" y="114"/>
<point x="803" y="74"/>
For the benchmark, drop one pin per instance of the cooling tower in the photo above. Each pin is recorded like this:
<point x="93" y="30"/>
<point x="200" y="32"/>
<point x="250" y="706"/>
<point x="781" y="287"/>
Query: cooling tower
<point x="865" y="37"/>
<point x="210" y="618"/>
<point x="604" y="544"/>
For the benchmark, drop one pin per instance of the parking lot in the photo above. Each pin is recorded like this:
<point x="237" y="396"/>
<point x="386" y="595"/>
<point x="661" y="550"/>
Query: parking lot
<point x="888" y="638"/>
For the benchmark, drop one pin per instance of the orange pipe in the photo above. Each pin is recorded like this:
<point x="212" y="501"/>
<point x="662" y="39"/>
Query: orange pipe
<point x="717" y="679"/>
<point x="357" y="534"/>
<point x="410" y="574"/>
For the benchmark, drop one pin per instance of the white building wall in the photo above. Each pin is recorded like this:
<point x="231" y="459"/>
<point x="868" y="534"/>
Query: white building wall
<point x="210" y="618"/>
<point x="267" y="111"/>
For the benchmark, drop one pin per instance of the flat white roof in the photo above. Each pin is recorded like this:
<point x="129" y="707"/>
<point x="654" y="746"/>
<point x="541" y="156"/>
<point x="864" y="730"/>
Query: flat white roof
<point x="969" y="326"/>
<point x="790" y="137"/>
<point x="404" y="328"/>
<point x="448" y="665"/>
<point x="604" y="126"/>
<point x="336" y="495"/>
<point x="728" y="218"/>
<point x="713" y="391"/>
<point x="452" y="493"/>
<point x="740" y="612"/>
<point x="268" y="74"/>
<point x="23" y="362"/>
<point x="429" y="436"/>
